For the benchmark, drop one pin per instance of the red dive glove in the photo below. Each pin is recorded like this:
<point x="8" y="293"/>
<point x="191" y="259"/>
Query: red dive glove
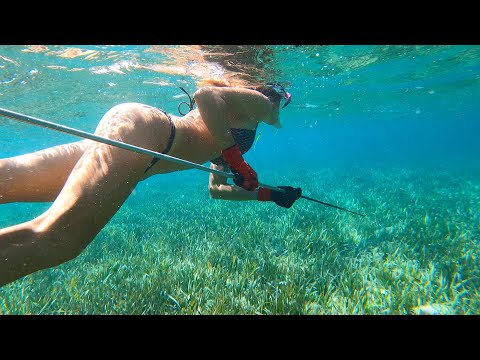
<point x="285" y="200"/>
<point x="245" y="176"/>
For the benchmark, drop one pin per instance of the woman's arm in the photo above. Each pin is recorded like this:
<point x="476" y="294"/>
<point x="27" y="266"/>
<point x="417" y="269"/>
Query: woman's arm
<point x="219" y="189"/>
<point x="223" y="108"/>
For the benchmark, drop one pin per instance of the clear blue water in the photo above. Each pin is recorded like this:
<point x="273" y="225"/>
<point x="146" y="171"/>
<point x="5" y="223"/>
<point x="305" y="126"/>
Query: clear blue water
<point x="353" y="107"/>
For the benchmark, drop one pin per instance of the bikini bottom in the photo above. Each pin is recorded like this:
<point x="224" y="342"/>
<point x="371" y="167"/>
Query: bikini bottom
<point x="169" y="145"/>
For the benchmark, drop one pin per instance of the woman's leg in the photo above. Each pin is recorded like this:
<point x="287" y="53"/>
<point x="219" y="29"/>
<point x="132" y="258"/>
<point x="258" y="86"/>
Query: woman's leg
<point x="99" y="183"/>
<point x="38" y="176"/>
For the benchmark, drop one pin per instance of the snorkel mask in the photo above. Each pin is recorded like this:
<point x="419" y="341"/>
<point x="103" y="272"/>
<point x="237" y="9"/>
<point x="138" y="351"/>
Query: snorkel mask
<point x="279" y="89"/>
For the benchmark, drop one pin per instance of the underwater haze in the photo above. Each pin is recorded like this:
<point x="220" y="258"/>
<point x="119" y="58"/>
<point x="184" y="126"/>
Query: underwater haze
<point x="390" y="131"/>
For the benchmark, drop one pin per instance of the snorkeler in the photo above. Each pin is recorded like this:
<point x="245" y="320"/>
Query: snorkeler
<point x="89" y="181"/>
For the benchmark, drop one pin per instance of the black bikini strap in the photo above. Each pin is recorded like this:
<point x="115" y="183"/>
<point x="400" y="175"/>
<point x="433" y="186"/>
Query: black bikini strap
<point x="172" y="134"/>
<point x="169" y="145"/>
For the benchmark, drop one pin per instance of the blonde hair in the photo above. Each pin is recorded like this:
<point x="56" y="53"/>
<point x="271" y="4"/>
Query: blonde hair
<point x="216" y="65"/>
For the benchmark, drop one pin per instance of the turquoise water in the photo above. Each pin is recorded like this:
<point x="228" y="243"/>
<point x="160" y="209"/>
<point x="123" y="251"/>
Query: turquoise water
<point x="384" y="130"/>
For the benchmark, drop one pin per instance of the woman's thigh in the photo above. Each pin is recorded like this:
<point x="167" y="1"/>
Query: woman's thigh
<point x="38" y="176"/>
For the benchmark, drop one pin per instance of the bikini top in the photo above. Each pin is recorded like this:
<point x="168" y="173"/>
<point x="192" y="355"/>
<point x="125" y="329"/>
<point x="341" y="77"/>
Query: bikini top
<point x="244" y="138"/>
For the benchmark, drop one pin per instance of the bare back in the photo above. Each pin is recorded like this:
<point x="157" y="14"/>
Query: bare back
<point x="202" y="134"/>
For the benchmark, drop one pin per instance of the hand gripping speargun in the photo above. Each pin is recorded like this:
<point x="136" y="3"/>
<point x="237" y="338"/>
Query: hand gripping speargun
<point x="125" y="146"/>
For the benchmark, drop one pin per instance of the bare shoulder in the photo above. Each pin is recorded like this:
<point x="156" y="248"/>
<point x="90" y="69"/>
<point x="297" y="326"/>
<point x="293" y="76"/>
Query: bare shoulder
<point x="246" y="103"/>
<point x="231" y="94"/>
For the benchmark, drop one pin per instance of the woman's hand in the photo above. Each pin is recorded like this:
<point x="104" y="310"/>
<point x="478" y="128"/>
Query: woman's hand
<point x="283" y="199"/>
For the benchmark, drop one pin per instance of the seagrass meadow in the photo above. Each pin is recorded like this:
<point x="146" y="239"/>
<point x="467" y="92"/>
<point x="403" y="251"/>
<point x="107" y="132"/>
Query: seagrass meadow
<point x="416" y="252"/>
<point x="388" y="131"/>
